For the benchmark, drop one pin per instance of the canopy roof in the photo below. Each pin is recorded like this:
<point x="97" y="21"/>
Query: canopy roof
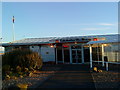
<point x="105" y="41"/>
<point x="102" y="41"/>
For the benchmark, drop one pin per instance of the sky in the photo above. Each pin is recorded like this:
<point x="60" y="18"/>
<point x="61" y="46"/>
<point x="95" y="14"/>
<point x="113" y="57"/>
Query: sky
<point x="58" y="19"/>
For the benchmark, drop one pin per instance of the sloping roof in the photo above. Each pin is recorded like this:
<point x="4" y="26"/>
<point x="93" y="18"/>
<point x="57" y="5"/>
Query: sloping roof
<point x="114" y="39"/>
<point x="30" y="41"/>
<point x="103" y="41"/>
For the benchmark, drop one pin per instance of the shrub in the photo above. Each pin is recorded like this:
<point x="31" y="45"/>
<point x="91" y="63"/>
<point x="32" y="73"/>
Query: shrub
<point x="21" y="76"/>
<point x="30" y="74"/>
<point x="22" y="58"/>
<point x="20" y="73"/>
<point x="13" y="77"/>
<point x="18" y="69"/>
<point x="95" y="69"/>
<point x="6" y="68"/>
<point x="22" y="86"/>
<point x="9" y="73"/>
<point x="26" y="70"/>
<point x="31" y="69"/>
<point x="7" y="77"/>
<point x="100" y="71"/>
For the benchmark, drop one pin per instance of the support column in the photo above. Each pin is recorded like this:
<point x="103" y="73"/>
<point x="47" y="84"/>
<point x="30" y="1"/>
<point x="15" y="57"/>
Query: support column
<point x="98" y="52"/>
<point x="90" y="46"/>
<point x="103" y="55"/>
<point x="63" y="55"/>
<point x="70" y="54"/>
<point x="82" y="54"/>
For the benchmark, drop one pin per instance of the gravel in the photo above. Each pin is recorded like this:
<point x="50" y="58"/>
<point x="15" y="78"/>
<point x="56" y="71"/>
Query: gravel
<point x="33" y="81"/>
<point x="106" y="79"/>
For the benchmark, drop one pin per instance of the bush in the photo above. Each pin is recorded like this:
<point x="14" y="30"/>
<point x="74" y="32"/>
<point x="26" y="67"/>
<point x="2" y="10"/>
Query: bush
<point x="22" y="86"/>
<point x="26" y="70"/>
<point x="6" y="68"/>
<point x="7" y="77"/>
<point x="20" y="59"/>
<point x="13" y="77"/>
<point x="18" y="69"/>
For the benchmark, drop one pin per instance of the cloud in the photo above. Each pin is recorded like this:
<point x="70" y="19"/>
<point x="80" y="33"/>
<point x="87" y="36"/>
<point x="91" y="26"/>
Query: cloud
<point x="106" y="24"/>
<point x="92" y="29"/>
<point x="94" y="24"/>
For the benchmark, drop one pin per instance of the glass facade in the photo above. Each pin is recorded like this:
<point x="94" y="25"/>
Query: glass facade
<point x="69" y="53"/>
<point x="76" y="54"/>
<point x="97" y="53"/>
<point x="59" y="53"/>
<point x="86" y="54"/>
<point x="66" y="53"/>
<point x="112" y="52"/>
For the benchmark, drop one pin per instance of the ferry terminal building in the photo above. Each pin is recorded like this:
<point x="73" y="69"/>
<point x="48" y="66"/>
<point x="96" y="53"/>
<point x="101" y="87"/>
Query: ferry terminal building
<point x="72" y="50"/>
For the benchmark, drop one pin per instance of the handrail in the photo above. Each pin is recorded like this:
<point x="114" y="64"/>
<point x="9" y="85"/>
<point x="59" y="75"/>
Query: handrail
<point x="107" y="63"/>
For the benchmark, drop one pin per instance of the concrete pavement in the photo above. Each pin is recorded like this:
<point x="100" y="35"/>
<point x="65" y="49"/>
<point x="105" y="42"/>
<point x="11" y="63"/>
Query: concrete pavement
<point x="70" y="76"/>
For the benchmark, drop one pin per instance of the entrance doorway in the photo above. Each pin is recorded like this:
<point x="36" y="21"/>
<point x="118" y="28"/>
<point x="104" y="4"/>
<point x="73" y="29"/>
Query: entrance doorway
<point x="76" y="54"/>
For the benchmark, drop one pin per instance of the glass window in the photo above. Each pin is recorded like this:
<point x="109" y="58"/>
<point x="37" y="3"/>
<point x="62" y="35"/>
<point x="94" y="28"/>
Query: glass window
<point x="76" y="47"/>
<point x="112" y="52"/>
<point x="66" y="55"/>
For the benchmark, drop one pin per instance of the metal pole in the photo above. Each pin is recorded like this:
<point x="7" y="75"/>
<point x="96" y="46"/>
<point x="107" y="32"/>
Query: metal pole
<point x="13" y="33"/>
<point x="13" y="20"/>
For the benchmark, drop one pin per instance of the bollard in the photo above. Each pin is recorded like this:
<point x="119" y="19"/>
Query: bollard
<point x="107" y="66"/>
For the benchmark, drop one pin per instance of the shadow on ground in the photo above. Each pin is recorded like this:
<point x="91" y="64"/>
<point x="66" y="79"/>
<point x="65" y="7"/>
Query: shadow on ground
<point x="70" y="76"/>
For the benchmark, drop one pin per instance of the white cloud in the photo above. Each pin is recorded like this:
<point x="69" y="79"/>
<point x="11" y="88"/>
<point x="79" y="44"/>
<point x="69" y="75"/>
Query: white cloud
<point x="92" y="29"/>
<point x="95" y="24"/>
<point x="106" y="24"/>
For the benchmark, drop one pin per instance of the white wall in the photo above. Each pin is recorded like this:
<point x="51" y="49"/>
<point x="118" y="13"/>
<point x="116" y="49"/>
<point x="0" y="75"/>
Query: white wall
<point x="35" y="48"/>
<point x="47" y="53"/>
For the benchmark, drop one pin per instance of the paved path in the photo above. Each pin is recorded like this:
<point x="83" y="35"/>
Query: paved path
<point x="70" y="76"/>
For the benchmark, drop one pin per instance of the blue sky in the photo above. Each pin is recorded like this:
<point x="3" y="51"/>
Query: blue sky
<point x="56" y="19"/>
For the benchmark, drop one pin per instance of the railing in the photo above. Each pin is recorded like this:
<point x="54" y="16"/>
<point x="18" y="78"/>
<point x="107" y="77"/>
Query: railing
<point x="107" y="63"/>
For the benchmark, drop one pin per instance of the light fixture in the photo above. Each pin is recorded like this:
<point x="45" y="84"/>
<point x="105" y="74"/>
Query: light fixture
<point x="75" y="42"/>
<point x="105" y="44"/>
<point x="51" y="46"/>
